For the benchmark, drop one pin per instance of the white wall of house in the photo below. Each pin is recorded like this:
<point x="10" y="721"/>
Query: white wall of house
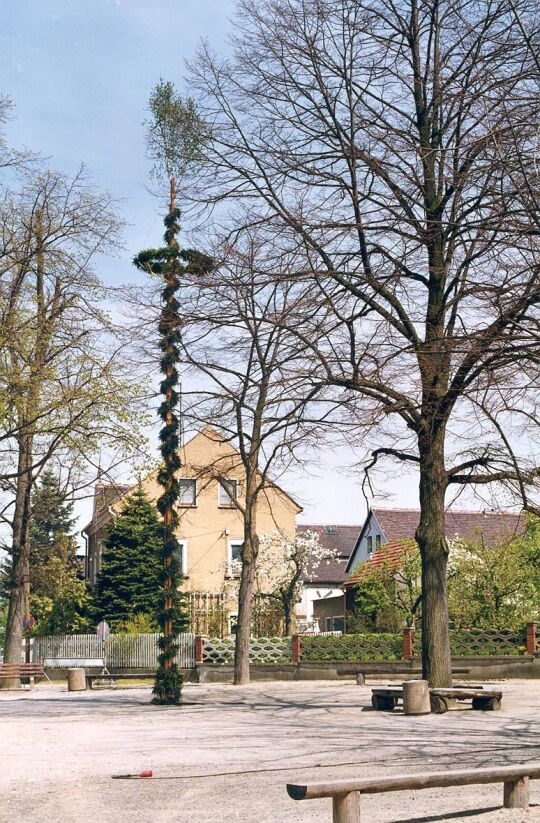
<point x="372" y="537"/>
<point x="312" y="592"/>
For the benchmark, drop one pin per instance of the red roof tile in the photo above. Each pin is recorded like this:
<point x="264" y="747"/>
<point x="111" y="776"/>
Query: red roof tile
<point x="389" y="553"/>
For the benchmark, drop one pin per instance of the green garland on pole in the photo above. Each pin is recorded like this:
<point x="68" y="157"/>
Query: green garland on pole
<point x="173" y="138"/>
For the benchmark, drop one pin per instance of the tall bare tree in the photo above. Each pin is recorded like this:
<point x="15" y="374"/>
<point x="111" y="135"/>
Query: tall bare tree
<point x="392" y="143"/>
<point x="64" y="388"/>
<point x="245" y="369"/>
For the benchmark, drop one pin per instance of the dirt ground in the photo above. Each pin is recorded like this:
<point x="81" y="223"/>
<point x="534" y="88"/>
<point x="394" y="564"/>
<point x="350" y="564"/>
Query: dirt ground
<point x="227" y="754"/>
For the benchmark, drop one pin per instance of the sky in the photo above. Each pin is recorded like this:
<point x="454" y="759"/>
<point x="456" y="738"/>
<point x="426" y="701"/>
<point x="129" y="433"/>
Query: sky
<point x="79" y="73"/>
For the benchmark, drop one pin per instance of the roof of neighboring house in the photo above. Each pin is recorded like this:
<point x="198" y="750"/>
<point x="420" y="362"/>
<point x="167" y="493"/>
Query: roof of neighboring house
<point x="402" y="523"/>
<point x="340" y="538"/>
<point x="388" y="554"/>
<point x="105" y="494"/>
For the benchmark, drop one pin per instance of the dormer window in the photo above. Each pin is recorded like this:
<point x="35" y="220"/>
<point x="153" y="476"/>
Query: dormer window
<point x="227" y="491"/>
<point x="370" y="546"/>
<point x="188" y="492"/>
<point x="377" y="541"/>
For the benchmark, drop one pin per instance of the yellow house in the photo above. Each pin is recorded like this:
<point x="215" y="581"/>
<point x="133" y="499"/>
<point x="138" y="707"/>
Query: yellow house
<point x="210" y="533"/>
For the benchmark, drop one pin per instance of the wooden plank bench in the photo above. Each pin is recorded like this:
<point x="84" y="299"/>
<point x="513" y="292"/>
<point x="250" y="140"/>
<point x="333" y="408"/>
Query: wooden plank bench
<point x="482" y="699"/>
<point x="386" y="698"/>
<point x="22" y="670"/>
<point x="346" y="794"/>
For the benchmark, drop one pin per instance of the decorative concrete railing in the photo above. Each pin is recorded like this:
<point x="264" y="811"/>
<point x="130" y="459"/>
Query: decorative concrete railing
<point x="262" y="650"/>
<point x="140" y="651"/>
<point x="376" y="647"/>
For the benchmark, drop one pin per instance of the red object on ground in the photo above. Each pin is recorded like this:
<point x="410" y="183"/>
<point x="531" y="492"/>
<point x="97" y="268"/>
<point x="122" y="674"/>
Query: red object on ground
<point x="147" y="773"/>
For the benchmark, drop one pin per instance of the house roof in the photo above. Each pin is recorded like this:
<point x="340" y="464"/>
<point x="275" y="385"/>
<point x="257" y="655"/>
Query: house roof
<point x="389" y="554"/>
<point x="340" y="538"/>
<point x="465" y="524"/>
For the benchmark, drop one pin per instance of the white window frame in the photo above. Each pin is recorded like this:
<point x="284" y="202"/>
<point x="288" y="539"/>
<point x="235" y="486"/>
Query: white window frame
<point x="234" y="541"/>
<point x="183" y="543"/>
<point x="230" y="501"/>
<point x="188" y="505"/>
<point x="378" y="541"/>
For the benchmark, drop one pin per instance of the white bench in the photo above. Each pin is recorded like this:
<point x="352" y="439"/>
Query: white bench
<point x="81" y="663"/>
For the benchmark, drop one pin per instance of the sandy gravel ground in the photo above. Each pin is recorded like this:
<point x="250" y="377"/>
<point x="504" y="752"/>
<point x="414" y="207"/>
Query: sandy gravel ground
<point x="227" y="754"/>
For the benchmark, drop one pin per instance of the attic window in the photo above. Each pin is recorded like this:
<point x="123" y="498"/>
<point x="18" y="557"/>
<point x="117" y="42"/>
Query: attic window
<point x="370" y="545"/>
<point x="377" y="540"/>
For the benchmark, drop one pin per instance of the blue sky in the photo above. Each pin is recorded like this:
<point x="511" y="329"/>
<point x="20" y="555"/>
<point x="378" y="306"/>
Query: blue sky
<point x="79" y="73"/>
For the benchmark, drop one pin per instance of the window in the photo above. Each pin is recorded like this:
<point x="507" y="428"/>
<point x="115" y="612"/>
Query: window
<point x="227" y="492"/>
<point x="234" y="558"/>
<point x="370" y="545"/>
<point x="377" y="541"/>
<point x="188" y="492"/>
<point x="182" y="557"/>
<point x="335" y="624"/>
<point x="233" y="622"/>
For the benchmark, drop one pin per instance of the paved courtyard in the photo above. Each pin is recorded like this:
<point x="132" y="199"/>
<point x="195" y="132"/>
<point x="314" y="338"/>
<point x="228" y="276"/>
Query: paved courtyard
<point x="227" y="754"/>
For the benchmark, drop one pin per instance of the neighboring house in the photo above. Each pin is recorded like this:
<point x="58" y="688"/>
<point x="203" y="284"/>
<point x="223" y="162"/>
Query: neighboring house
<point x="322" y="604"/>
<point x="211" y="525"/>
<point x="386" y="525"/>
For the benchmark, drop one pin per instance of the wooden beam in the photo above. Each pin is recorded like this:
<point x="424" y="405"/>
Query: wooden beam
<point x="469" y="777"/>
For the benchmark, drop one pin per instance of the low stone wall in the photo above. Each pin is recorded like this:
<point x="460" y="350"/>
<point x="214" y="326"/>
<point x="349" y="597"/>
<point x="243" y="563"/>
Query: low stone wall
<point x="464" y="668"/>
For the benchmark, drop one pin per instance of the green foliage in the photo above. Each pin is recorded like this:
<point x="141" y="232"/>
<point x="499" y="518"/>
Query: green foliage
<point x="167" y="689"/>
<point x="128" y="582"/>
<point x="175" y="134"/>
<point x="61" y="605"/>
<point x="3" y="621"/>
<point x="495" y="586"/>
<point x="388" y="595"/>
<point x="59" y="599"/>
<point x="140" y="623"/>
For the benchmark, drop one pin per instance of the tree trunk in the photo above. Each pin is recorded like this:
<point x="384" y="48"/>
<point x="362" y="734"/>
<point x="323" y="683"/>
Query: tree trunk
<point x="20" y="569"/>
<point x="430" y="535"/>
<point x="245" y="595"/>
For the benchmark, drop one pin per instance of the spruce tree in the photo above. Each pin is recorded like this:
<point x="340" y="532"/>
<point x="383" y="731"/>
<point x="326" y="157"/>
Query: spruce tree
<point x="128" y="580"/>
<point x="175" y="136"/>
<point x="50" y="530"/>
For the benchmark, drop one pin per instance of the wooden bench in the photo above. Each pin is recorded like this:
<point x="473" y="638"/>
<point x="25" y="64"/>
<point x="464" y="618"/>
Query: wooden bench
<point x="346" y="794"/>
<point x="22" y="670"/>
<point x="482" y="699"/>
<point x="386" y="698"/>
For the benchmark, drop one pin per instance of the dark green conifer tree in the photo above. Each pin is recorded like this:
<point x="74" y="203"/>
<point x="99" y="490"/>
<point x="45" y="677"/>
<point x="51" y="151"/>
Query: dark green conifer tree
<point x="175" y="136"/>
<point x="128" y="580"/>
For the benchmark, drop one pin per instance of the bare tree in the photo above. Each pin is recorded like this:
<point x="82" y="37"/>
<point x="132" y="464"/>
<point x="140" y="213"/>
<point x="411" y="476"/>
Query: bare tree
<point x="64" y="384"/>
<point x="392" y="143"/>
<point x="245" y="367"/>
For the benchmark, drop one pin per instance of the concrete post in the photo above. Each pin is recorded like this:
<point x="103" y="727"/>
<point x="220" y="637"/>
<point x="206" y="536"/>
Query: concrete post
<point x="408" y="643"/>
<point x="532" y="646"/>
<point x="296" y="648"/>
<point x="416" y="697"/>
<point x="76" y="680"/>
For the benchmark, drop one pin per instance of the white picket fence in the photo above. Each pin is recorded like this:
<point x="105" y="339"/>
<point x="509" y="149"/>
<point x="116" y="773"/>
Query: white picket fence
<point x="120" y="650"/>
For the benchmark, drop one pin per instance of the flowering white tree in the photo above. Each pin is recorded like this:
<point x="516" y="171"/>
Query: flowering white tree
<point x="287" y="563"/>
